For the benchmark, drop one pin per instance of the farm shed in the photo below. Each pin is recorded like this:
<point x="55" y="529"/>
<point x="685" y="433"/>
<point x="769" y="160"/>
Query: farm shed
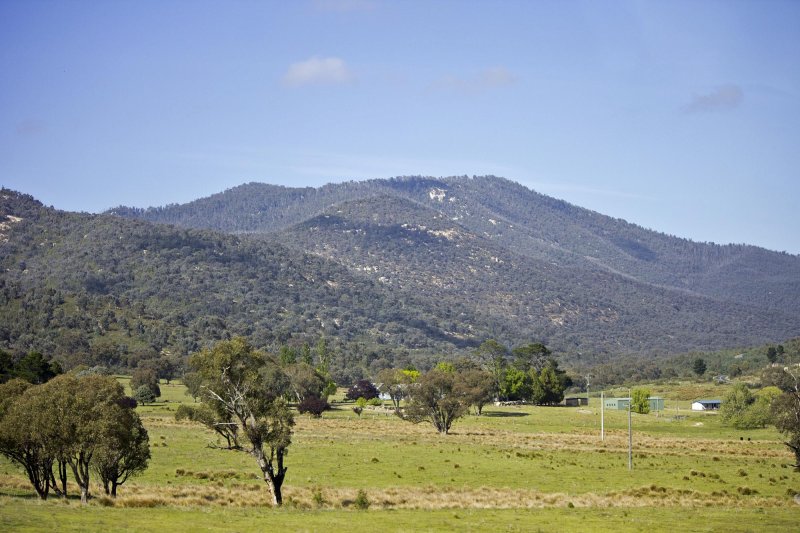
<point x="656" y="403"/>
<point x="621" y="404"/>
<point x="575" y="401"/>
<point x="706" y="405"/>
<point x="617" y="403"/>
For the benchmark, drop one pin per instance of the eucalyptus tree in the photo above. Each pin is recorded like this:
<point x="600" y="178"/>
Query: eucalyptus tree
<point x="785" y="412"/>
<point x="125" y="450"/>
<point x="250" y="386"/>
<point x="21" y="440"/>
<point x="86" y="413"/>
<point x="438" y="397"/>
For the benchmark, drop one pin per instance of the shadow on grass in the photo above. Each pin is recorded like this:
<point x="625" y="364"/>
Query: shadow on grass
<point x="23" y="495"/>
<point x="502" y="414"/>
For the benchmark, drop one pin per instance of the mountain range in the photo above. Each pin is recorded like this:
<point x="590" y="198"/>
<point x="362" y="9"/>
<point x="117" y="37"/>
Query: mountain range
<point x="389" y="270"/>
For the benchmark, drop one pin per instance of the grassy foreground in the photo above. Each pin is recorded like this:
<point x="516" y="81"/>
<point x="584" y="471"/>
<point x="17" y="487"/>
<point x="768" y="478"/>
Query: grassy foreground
<point x="34" y="516"/>
<point x="512" y="469"/>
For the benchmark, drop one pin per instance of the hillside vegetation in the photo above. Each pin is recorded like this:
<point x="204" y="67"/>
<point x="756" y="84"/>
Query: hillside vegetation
<point x="390" y="272"/>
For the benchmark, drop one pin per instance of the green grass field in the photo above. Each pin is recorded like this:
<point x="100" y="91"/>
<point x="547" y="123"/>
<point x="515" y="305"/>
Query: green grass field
<point x="512" y="469"/>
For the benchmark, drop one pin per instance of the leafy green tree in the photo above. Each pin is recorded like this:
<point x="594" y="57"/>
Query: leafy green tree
<point x="552" y="381"/>
<point x="778" y="377"/>
<point x="144" y="395"/>
<point x="66" y="421"/>
<point x="305" y="354"/>
<point x="23" y="437"/>
<point x="323" y="356"/>
<point x="306" y="382"/>
<point x="785" y="413"/>
<point x="125" y="451"/>
<point x="640" y="401"/>
<point x="6" y="366"/>
<point x="193" y="382"/>
<point x="36" y="368"/>
<point x="699" y="366"/>
<point x="439" y="398"/>
<point x="358" y="408"/>
<point x="412" y="374"/>
<point x="532" y="355"/>
<point x="287" y="355"/>
<point x="516" y="385"/>
<point x="735" y="405"/>
<point x="362" y="389"/>
<point x="86" y="410"/>
<point x="250" y="386"/>
<point x="478" y="387"/>
<point x="146" y="376"/>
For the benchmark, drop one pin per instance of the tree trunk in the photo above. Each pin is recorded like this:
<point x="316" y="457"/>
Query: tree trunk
<point x="274" y="481"/>
<point x="80" y="468"/>
<point x="40" y="479"/>
<point x="277" y="498"/>
<point x="114" y="489"/>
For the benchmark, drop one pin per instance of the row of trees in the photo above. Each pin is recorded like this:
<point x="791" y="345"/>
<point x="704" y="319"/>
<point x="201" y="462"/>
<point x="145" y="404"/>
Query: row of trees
<point x="527" y="373"/>
<point x="80" y="424"/>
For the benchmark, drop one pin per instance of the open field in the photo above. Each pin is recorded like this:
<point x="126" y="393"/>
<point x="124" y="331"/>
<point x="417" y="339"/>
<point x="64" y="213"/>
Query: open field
<point x="514" y="468"/>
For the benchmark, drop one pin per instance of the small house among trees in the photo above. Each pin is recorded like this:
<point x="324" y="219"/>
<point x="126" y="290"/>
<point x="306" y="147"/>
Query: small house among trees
<point x="706" y="405"/>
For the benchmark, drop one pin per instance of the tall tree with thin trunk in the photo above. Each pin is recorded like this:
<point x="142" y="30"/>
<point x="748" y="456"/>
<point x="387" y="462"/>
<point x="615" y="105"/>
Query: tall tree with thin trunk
<point x="249" y="385"/>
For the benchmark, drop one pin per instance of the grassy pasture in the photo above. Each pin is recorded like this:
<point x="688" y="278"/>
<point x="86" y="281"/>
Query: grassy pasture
<point x="514" y="468"/>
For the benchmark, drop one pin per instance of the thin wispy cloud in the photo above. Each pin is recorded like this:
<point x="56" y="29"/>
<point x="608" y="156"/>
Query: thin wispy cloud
<point x="490" y="78"/>
<point x="342" y="6"/>
<point x="318" y="71"/>
<point x="724" y="98"/>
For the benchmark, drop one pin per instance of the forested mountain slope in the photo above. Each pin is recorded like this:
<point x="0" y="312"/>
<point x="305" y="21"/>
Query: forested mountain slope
<point x="99" y="289"/>
<point x="576" y="307"/>
<point x="524" y="221"/>
<point x="391" y="272"/>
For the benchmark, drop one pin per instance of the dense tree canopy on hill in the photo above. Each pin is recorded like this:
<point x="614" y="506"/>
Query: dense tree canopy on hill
<point x="391" y="273"/>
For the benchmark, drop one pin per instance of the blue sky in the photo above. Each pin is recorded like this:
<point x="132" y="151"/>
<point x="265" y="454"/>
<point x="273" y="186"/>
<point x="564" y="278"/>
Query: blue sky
<point x="683" y="117"/>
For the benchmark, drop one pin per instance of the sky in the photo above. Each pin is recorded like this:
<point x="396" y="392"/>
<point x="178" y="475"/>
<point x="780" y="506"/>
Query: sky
<point x="679" y="116"/>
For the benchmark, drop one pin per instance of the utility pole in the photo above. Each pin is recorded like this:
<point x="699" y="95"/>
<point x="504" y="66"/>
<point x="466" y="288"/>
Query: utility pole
<point x="602" y="417"/>
<point x="630" y="433"/>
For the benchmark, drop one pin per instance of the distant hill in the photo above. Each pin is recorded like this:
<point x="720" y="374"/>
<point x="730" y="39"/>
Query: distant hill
<point x="538" y="228"/>
<point x="530" y="224"/>
<point x="401" y="271"/>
